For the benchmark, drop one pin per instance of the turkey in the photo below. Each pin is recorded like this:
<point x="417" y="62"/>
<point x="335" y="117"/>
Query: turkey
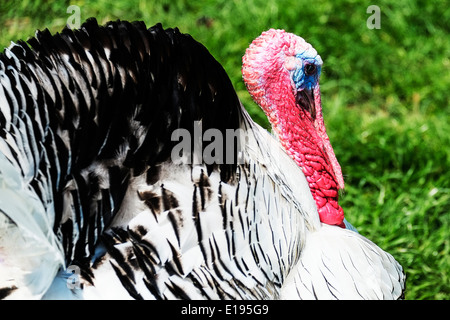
<point x="130" y="170"/>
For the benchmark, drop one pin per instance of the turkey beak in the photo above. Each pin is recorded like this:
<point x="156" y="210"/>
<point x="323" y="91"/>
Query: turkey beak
<point x="305" y="99"/>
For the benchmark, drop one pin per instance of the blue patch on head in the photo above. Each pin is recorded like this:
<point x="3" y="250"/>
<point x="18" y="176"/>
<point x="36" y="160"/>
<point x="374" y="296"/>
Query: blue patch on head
<point x="301" y="79"/>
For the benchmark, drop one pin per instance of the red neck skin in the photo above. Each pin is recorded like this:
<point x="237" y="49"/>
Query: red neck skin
<point x="307" y="143"/>
<point x="304" y="138"/>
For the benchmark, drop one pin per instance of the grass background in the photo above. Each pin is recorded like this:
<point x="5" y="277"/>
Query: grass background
<point x="384" y="94"/>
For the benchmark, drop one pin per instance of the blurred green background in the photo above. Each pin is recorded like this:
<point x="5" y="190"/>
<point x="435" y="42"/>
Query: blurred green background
<point x="384" y="93"/>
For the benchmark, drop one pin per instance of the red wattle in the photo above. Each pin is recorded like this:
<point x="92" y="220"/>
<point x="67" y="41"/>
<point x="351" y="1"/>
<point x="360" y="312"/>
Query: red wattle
<point x="330" y="215"/>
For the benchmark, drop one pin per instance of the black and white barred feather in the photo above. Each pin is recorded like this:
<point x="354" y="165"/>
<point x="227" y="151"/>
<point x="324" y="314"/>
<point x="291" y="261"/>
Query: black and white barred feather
<point x="87" y="182"/>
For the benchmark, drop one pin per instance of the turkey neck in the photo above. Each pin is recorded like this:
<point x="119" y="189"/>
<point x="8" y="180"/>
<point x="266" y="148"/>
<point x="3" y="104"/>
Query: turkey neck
<point x="305" y="140"/>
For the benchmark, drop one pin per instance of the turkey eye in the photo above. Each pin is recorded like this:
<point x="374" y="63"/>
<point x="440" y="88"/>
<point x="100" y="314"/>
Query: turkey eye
<point x="310" y="69"/>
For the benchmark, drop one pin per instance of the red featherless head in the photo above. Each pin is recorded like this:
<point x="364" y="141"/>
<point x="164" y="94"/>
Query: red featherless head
<point x="281" y="72"/>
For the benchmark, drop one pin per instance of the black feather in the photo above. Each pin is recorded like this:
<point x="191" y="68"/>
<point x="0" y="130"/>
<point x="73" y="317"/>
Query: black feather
<point x="78" y="97"/>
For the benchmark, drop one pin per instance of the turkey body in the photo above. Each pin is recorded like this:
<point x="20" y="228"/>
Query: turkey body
<point x="93" y="203"/>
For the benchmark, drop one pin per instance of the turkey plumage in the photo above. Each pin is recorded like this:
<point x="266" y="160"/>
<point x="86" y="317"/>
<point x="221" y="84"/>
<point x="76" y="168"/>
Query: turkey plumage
<point x="95" y="203"/>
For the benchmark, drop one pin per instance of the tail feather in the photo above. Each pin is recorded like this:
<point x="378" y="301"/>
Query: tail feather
<point x="341" y="264"/>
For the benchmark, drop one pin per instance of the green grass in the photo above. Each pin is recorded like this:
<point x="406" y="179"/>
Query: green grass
<point x="384" y="93"/>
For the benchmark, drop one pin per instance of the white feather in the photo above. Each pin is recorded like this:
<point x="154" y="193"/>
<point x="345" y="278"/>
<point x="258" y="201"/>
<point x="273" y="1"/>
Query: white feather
<point x="338" y="263"/>
<point x="30" y="254"/>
